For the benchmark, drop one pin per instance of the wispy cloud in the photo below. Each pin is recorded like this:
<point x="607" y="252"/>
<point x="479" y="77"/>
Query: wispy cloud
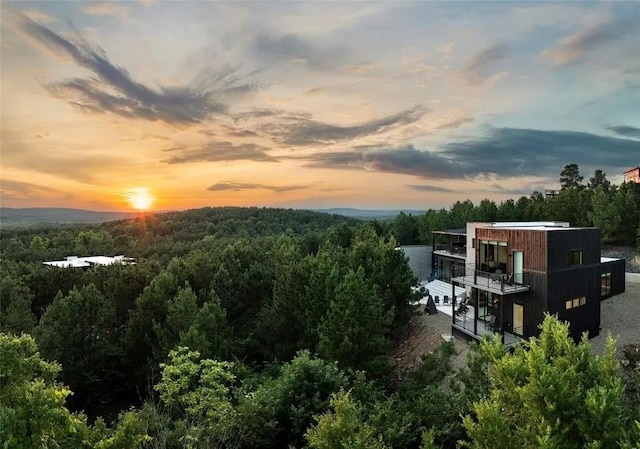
<point x="39" y="16"/>
<point x="296" y="49"/>
<point x="106" y="8"/>
<point x="219" y="152"/>
<point x="428" y="188"/>
<point x="18" y="190"/>
<point x="114" y="90"/>
<point x="627" y="131"/>
<point x="238" y="186"/>
<point x="305" y="131"/>
<point x="477" y="69"/>
<point x="573" y="49"/>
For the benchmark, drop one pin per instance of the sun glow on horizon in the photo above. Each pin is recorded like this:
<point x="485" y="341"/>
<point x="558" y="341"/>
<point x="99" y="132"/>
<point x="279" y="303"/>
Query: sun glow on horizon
<point x="140" y="198"/>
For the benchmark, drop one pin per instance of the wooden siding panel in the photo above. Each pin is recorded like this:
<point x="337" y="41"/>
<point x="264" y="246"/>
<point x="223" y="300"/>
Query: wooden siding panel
<point x="532" y="243"/>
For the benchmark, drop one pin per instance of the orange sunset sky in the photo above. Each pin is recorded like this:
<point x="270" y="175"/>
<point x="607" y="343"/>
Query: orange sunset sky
<point x="382" y="105"/>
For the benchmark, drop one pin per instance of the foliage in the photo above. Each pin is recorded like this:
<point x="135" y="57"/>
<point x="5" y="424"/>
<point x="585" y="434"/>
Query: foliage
<point x="15" y="306"/>
<point x="79" y="331"/>
<point x="344" y="428"/>
<point x="286" y="405"/>
<point x="570" y="177"/>
<point x="32" y="406"/>
<point x="354" y="328"/>
<point x="197" y="394"/>
<point x="550" y="393"/>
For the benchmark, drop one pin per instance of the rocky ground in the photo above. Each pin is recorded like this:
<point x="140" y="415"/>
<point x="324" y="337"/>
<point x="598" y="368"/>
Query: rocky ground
<point x="620" y="316"/>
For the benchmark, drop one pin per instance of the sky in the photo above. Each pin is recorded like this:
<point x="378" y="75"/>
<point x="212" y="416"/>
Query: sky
<point x="312" y="104"/>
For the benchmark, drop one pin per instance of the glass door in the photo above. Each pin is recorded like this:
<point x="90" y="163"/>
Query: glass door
<point x="518" y="319"/>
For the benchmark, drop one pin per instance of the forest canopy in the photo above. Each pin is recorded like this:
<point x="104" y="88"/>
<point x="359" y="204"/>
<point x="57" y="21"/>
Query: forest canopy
<point x="270" y="328"/>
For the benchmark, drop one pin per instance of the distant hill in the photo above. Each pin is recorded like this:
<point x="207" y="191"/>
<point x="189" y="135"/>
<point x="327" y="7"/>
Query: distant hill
<point x="18" y="217"/>
<point x="13" y="217"/>
<point x="370" y="214"/>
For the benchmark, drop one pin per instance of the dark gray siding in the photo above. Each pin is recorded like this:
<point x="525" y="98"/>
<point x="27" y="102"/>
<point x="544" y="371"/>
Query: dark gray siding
<point x="617" y="270"/>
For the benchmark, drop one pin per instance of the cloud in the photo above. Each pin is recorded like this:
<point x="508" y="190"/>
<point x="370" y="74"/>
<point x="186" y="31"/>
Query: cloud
<point x="221" y="151"/>
<point x="107" y="8"/>
<point x="573" y="48"/>
<point x="298" y="50"/>
<point x="627" y="131"/>
<point x="237" y="186"/>
<point x="113" y="90"/>
<point x="503" y="152"/>
<point x="404" y="160"/>
<point x="39" y="16"/>
<point x="305" y="131"/>
<point x="526" y="189"/>
<point x="18" y="190"/>
<point x="531" y="152"/>
<point x="476" y="69"/>
<point x="427" y="188"/>
<point x="456" y="123"/>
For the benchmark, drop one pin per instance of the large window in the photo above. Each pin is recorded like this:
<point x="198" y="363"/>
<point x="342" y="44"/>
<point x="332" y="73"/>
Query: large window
<point x="493" y="255"/>
<point x="605" y="284"/>
<point x="575" y="257"/>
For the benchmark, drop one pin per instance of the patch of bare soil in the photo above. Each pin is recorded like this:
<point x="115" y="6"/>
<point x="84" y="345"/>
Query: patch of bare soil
<point x="425" y="335"/>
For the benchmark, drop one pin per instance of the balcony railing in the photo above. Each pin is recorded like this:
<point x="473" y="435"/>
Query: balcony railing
<point x="496" y="282"/>
<point x="455" y="250"/>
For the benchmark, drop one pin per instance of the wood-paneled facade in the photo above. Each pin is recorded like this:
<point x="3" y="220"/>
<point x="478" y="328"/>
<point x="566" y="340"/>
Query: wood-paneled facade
<point x="561" y="267"/>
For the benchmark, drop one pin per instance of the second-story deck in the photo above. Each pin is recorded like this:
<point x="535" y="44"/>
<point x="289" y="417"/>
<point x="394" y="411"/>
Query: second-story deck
<point x="497" y="282"/>
<point x="447" y="249"/>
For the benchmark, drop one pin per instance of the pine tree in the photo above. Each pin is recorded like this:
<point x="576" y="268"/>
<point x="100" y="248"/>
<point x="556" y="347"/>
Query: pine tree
<point x="353" y="330"/>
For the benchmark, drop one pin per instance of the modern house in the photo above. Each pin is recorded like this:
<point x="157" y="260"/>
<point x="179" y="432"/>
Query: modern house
<point x="515" y="272"/>
<point x="86" y="262"/>
<point x="632" y="175"/>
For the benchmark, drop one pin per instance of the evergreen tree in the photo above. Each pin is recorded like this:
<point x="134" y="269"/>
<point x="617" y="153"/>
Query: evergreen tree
<point x="354" y="328"/>
<point x="209" y="334"/>
<point x="551" y="393"/>
<point x="599" y="179"/>
<point x="79" y="331"/>
<point x="604" y="216"/>
<point x="15" y="306"/>
<point x="181" y="313"/>
<point x="570" y="177"/>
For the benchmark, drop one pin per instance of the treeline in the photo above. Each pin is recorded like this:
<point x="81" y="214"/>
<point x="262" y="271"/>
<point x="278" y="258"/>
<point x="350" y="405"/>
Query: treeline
<point x="613" y="209"/>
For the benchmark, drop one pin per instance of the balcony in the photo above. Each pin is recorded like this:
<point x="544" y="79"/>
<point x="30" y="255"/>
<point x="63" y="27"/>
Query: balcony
<point x="447" y="249"/>
<point x="498" y="283"/>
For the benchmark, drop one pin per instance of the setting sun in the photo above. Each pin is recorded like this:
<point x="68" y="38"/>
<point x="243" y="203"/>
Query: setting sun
<point x="140" y="198"/>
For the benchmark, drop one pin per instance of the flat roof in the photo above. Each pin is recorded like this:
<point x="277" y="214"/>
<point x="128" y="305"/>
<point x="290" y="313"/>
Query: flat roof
<point x="82" y="262"/>
<point x="608" y="259"/>
<point x="459" y="231"/>
<point x="531" y="224"/>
